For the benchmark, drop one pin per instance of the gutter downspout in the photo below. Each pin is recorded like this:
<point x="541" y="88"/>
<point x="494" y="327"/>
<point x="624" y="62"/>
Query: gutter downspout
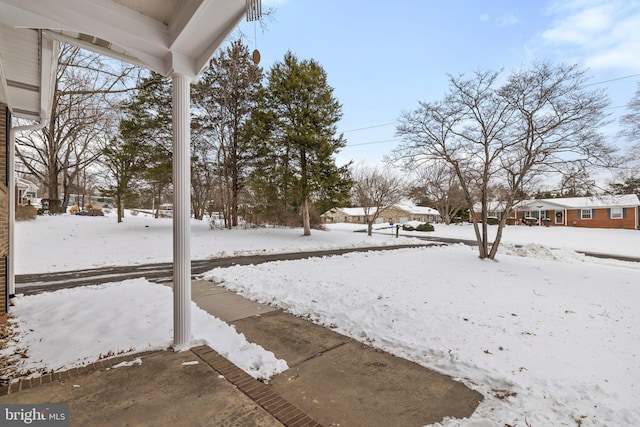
<point x="11" y="278"/>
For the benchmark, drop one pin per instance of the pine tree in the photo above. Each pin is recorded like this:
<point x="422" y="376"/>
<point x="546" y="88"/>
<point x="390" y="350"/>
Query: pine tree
<point x="147" y="120"/>
<point x="125" y="160"/>
<point x="294" y="132"/>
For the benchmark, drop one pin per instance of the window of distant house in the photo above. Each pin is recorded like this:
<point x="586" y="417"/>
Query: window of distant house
<point x="616" y="213"/>
<point x="585" y="214"/>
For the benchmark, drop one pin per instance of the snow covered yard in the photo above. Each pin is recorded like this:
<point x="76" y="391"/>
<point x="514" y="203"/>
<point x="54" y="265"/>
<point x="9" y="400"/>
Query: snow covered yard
<point x="546" y="342"/>
<point x="549" y="336"/>
<point x="599" y="240"/>
<point x="70" y="242"/>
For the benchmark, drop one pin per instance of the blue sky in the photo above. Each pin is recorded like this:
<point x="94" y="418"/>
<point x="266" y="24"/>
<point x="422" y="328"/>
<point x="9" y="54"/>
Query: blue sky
<point x="383" y="57"/>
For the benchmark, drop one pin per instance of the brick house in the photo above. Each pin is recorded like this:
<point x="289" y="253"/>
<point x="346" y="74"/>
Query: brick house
<point x="5" y="128"/>
<point x="609" y="211"/>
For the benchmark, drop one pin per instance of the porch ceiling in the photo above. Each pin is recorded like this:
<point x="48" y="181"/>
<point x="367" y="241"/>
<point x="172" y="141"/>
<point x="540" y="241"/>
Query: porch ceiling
<point x="166" y="36"/>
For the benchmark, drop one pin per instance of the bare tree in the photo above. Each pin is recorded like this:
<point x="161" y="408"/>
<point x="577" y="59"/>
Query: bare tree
<point x="537" y="122"/>
<point x="631" y="121"/>
<point x="225" y="96"/>
<point x="375" y="189"/>
<point x="204" y="175"/>
<point x="79" y="121"/>
<point x="575" y="182"/>
<point x="438" y="184"/>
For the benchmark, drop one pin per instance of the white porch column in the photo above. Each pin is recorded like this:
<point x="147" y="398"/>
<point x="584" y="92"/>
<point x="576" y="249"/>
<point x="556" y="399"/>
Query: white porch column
<point x="181" y="212"/>
<point x="11" y="168"/>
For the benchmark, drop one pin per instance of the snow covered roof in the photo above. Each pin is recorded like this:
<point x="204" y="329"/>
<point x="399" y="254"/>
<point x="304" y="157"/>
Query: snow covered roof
<point x="492" y="206"/>
<point x="605" y="201"/>
<point x="416" y="210"/>
<point x="352" y="211"/>
<point x="407" y="207"/>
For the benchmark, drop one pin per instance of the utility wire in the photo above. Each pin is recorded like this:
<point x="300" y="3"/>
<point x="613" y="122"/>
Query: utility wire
<point x="613" y="80"/>
<point x="370" y="127"/>
<point x="398" y="139"/>
<point x="372" y="142"/>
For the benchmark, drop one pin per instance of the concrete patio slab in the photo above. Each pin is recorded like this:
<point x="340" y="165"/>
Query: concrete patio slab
<point x="165" y="388"/>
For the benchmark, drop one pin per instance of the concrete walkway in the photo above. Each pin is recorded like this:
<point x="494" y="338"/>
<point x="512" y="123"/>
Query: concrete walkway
<point x="332" y="380"/>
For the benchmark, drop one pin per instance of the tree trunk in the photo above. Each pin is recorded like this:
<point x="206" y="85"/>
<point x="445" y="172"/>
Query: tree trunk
<point x="52" y="190"/>
<point x="496" y="241"/>
<point x="120" y="209"/>
<point x="306" y="222"/>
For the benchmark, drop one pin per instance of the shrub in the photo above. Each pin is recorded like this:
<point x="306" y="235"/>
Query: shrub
<point x="91" y="206"/>
<point x="492" y="220"/>
<point x="26" y="213"/>
<point x="407" y="227"/>
<point x="425" y="227"/>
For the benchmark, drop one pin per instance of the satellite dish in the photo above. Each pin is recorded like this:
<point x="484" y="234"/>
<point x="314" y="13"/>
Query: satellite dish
<point x="256" y="56"/>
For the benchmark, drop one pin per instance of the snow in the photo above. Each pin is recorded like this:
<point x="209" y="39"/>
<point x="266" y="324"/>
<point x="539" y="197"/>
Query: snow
<point x="70" y="242"/>
<point x="547" y="335"/>
<point x="74" y="327"/>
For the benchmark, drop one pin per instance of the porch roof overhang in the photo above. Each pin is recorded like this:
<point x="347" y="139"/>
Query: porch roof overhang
<point x="166" y="36"/>
<point x="538" y="205"/>
<point x="28" y="60"/>
<point x="172" y="37"/>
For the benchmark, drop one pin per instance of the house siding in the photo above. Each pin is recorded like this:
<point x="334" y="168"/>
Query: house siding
<point x="342" y="217"/>
<point x="399" y="216"/>
<point x="5" y="123"/>
<point x="601" y="219"/>
<point x="392" y="215"/>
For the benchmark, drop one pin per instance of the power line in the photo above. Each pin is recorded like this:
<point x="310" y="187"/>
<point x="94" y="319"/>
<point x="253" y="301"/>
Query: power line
<point x="393" y="123"/>
<point x="370" y="127"/>
<point x="373" y="142"/>
<point x="613" y="80"/>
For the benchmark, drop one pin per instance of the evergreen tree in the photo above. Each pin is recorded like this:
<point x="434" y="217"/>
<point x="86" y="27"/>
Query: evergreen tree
<point x="148" y="121"/>
<point x="294" y="135"/>
<point x="125" y="160"/>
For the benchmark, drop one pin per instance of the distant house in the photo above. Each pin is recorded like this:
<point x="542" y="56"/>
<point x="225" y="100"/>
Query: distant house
<point x="399" y="214"/>
<point x="348" y="215"/>
<point x="25" y="191"/>
<point x="609" y="211"/>
<point x="495" y="210"/>
<point x="405" y="212"/>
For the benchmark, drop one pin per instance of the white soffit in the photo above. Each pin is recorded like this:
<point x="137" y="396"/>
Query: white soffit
<point x="27" y="64"/>
<point x="166" y="36"/>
